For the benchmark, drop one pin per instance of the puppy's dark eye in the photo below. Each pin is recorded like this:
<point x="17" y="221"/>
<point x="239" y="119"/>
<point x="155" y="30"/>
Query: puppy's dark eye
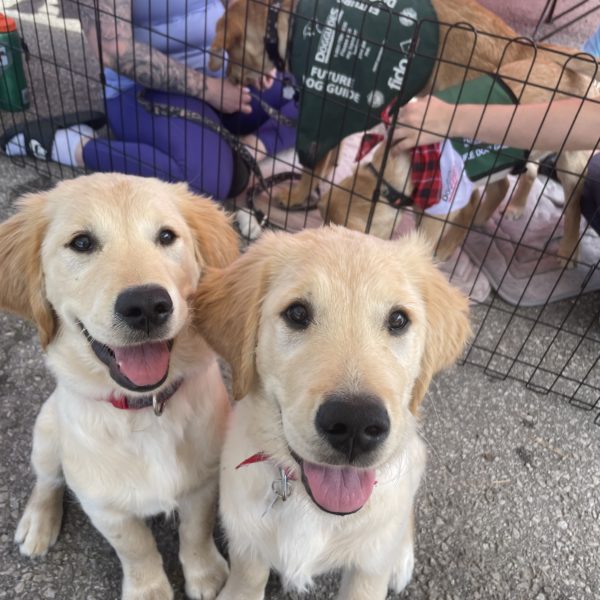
<point x="397" y="321"/>
<point x="84" y="242"/>
<point x="297" y="315"/>
<point x="166" y="237"/>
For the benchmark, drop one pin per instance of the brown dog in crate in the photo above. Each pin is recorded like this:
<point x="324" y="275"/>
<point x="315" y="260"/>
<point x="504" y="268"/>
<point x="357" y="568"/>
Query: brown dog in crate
<point x="350" y="59"/>
<point x="352" y="203"/>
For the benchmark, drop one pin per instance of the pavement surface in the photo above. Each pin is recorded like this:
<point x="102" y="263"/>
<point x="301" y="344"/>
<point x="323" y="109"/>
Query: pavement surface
<point x="509" y="508"/>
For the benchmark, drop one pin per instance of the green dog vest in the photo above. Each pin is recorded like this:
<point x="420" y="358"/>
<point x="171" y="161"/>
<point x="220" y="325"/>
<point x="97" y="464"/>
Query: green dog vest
<point x="481" y="159"/>
<point x="351" y="58"/>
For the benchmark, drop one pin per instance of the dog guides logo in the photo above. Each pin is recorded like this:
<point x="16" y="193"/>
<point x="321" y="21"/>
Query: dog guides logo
<point x="328" y="36"/>
<point x="353" y="57"/>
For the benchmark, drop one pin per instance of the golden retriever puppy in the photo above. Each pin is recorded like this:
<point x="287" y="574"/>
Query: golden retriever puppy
<point x="333" y="337"/>
<point x="105" y="266"/>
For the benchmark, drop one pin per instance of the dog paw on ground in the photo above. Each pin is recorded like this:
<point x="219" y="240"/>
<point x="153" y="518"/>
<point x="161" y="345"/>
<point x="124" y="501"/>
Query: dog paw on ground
<point x="39" y="526"/>
<point x="158" y="590"/>
<point x="205" y="580"/>
<point x="403" y="571"/>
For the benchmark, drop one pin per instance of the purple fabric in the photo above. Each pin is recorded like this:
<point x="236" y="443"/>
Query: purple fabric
<point x="272" y="134"/>
<point x="590" y="201"/>
<point x="175" y="149"/>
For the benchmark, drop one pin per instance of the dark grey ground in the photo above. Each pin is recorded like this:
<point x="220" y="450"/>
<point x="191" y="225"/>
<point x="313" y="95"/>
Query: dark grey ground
<point x="509" y="508"/>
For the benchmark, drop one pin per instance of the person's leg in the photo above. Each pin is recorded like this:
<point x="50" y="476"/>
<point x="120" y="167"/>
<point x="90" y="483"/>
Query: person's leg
<point x="205" y="157"/>
<point x="170" y="148"/>
<point x="131" y="158"/>
<point x="129" y="153"/>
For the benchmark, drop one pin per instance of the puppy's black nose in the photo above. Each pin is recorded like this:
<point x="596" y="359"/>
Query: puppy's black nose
<point x="354" y="425"/>
<point x="145" y="307"/>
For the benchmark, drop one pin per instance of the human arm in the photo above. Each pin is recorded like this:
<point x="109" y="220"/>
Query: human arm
<point x="570" y="124"/>
<point x="148" y="66"/>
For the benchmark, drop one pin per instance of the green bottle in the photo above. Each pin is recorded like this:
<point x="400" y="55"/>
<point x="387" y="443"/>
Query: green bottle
<point x="14" y="95"/>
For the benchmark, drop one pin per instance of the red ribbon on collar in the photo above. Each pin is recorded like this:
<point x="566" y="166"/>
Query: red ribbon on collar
<point x="258" y="457"/>
<point x="262" y="457"/>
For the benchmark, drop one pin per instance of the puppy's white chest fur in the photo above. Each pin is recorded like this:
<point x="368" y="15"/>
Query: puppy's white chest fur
<point x="134" y="460"/>
<point x="295" y="537"/>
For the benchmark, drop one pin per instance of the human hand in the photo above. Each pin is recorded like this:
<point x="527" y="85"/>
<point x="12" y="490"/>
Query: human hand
<point x="227" y="97"/>
<point x="266" y="81"/>
<point x="422" y="121"/>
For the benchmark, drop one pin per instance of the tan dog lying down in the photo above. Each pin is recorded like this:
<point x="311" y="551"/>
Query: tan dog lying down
<point x="105" y="266"/>
<point x="331" y="358"/>
<point x="351" y="204"/>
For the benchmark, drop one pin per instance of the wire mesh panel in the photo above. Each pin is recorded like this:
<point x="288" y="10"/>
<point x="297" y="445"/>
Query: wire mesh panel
<point x="319" y="148"/>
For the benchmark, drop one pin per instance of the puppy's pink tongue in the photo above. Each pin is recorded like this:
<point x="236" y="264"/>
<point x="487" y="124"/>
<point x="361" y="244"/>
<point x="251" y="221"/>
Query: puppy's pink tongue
<point x="339" y="490"/>
<point x="146" y="364"/>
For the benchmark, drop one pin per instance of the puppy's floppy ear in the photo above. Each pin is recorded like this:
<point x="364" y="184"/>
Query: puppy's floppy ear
<point x="448" y="327"/>
<point x="227" y="310"/>
<point x="217" y="243"/>
<point x="22" y="289"/>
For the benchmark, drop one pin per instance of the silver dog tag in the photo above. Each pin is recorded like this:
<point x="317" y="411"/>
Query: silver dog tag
<point x="282" y="486"/>
<point x="282" y="490"/>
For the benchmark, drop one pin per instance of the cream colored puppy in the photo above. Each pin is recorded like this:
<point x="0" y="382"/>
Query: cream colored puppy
<point x="333" y="337"/>
<point x="105" y="266"/>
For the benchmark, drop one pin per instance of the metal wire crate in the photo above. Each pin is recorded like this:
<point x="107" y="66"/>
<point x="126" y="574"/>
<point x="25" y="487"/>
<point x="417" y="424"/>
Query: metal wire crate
<point x="549" y="343"/>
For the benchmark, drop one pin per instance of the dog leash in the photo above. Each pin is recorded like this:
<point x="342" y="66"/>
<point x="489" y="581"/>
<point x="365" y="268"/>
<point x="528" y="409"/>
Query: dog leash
<point x="273" y="113"/>
<point x="264" y="184"/>
<point x="167" y="110"/>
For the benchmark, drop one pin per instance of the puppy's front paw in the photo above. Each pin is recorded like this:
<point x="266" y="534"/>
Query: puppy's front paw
<point x="403" y="570"/>
<point x="39" y="526"/>
<point x="204" y="580"/>
<point x="158" y="590"/>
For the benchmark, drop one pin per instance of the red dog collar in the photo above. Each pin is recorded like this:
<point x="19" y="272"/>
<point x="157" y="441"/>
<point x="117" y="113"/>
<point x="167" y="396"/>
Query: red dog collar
<point x="157" y="401"/>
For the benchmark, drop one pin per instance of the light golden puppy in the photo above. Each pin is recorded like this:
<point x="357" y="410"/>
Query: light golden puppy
<point x="333" y="337"/>
<point x="105" y="266"/>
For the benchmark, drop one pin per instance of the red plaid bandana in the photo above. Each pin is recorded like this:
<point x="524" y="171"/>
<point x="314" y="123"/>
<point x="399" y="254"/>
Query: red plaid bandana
<point x="426" y="176"/>
<point x="368" y="142"/>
